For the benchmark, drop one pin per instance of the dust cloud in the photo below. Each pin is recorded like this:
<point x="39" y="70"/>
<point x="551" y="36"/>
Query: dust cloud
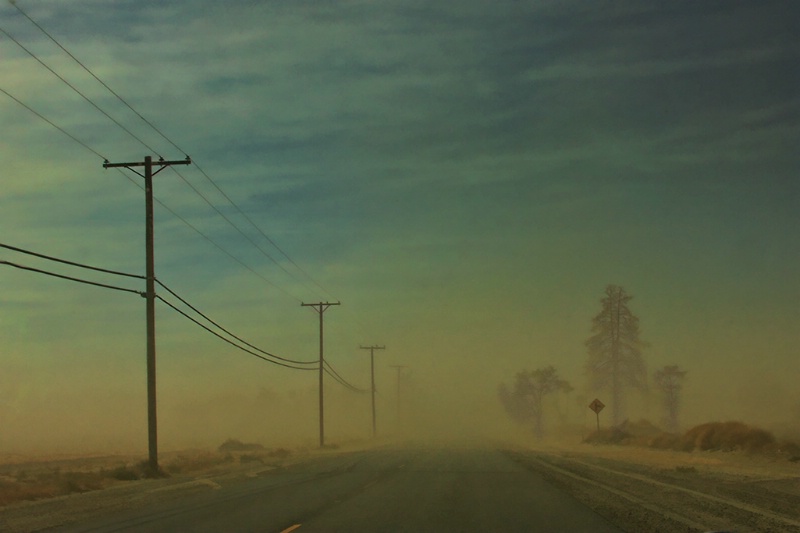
<point x="441" y="402"/>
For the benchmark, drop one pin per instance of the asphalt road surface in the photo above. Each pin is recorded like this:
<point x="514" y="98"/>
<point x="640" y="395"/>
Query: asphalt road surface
<point x="415" y="489"/>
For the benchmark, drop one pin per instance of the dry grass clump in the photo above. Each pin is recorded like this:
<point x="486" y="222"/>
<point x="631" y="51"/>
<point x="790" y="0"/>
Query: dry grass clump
<point x="628" y="433"/>
<point x="667" y="441"/>
<point x="48" y="479"/>
<point x="22" y="485"/>
<point x="612" y="435"/>
<point x="728" y="436"/>
<point x="192" y="462"/>
<point x="712" y="436"/>
<point x="252" y="452"/>
<point x="279" y="453"/>
<point x="235" y="445"/>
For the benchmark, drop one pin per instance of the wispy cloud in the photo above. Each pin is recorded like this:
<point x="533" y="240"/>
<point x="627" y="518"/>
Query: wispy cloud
<point x="410" y="156"/>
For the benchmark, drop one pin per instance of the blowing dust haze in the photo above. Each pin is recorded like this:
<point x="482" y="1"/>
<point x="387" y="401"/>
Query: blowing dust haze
<point x="467" y="182"/>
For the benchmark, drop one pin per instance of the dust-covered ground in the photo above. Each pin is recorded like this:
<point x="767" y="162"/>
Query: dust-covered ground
<point x="640" y="490"/>
<point x="670" y="491"/>
<point x="39" y="493"/>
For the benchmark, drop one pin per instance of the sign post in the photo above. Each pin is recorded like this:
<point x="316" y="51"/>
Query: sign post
<point x="597" y="406"/>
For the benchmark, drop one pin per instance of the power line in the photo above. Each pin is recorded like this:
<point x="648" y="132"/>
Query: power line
<point x="207" y="238"/>
<point x="193" y="308"/>
<point x="68" y="84"/>
<point x="272" y="242"/>
<point x="219" y="189"/>
<point x="174" y="308"/>
<point x="59" y="128"/>
<point x="165" y="137"/>
<point x="70" y="278"/>
<point x="120" y="98"/>
<point x="237" y="228"/>
<point x="338" y="377"/>
<point x="72" y="263"/>
<point x="343" y="383"/>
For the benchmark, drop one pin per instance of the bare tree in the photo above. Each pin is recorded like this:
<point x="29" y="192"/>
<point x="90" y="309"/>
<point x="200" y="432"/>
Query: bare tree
<point x="615" y="351"/>
<point x="669" y="381"/>
<point x="524" y="401"/>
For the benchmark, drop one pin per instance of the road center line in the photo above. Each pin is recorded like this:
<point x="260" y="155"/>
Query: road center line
<point x="292" y="528"/>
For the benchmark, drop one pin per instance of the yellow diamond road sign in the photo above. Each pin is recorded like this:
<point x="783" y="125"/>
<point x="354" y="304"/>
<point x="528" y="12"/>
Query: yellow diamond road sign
<point x="596" y="406"/>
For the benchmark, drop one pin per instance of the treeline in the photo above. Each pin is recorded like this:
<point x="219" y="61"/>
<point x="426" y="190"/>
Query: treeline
<point x="615" y="365"/>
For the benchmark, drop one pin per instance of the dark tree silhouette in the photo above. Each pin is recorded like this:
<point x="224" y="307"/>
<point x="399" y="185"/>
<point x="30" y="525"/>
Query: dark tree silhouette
<point x="523" y="402"/>
<point x="669" y="381"/>
<point x="615" y="351"/>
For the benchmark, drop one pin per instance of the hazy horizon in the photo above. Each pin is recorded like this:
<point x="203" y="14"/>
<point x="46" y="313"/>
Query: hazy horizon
<point x="465" y="180"/>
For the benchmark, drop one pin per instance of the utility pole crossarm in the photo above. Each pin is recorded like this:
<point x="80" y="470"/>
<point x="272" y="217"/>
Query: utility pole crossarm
<point x="187" y="161"/>
<point x="148" y="163"/>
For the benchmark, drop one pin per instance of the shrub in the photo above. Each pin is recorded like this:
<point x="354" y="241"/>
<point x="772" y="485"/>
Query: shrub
<point x="665" y="441"/>
<point x="250" y="458"/>
<point x="123" y="473"/>
<point x="608" y="436"/>
<point x="727" y="436"/>
<point x="235" y="445"/>
<point x="279" y="453"/>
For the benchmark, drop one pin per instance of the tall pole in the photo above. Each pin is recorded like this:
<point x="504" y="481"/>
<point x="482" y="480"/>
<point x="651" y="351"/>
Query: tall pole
<point x="320" y="308"/>
<point x="152" y="419"/>
<point x="372" y="372"/>
<point x="150" y="297"/>
<point x="399" y="369"/>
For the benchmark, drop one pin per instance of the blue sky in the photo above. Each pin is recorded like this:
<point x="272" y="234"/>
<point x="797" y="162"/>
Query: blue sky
<point x="465" y="179"/>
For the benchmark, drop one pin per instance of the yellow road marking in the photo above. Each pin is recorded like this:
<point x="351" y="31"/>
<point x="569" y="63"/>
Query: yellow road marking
<point x="288" y="529"/>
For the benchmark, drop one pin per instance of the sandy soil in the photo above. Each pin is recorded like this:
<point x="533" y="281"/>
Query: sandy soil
<point x="653" y="490"/>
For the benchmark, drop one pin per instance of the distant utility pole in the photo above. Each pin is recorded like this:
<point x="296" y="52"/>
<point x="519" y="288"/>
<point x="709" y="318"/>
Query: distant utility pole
<point x="372" y="371"/>
<point x="399" y="369"/>
<point x="320" y="308"/>
<point x="152" y="424"/>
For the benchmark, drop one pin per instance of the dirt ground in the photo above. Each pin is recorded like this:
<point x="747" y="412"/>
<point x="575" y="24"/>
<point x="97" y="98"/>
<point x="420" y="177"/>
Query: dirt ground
<point x="639" y="489"/>
<point x="44" y="492"/>
<point x="657" y="490"/>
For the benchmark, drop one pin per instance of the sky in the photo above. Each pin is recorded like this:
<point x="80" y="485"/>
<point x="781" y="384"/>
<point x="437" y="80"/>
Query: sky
<point x="465" y="178"/>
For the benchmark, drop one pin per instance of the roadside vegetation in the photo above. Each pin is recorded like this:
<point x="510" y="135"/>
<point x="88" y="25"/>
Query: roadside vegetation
<point x="712" y="437"/>
<point x="49" y="479"/>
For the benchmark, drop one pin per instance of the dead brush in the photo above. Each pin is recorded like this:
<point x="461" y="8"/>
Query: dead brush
<point x="728" y="436"/>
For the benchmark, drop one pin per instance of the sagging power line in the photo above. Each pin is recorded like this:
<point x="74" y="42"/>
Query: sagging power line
<point x="264" y="352"/>
<point x="76" y="90"/>
<point x="150" y="294"/>
<point x="339" y="379"/>
<point x="53" y="124"/>
<point x="265" y="355"/>
<point x="305" y="275"/>
<point x="242" y="348"/>
<point x="71" y="263"/>
<point x="101" y="82"/>
<point x="70" y="278"/>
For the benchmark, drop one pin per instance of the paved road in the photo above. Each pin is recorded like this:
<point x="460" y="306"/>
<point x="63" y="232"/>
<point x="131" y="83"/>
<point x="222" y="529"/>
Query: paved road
<point x="419" y="489"/>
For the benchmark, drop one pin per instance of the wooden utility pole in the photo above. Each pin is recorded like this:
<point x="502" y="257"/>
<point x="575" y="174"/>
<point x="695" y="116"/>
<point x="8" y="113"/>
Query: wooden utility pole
<point x="399" y="369"/>
<point x="372" y="371"/>
<point x="150" y="296"/>
<point x="320" y="308"/>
